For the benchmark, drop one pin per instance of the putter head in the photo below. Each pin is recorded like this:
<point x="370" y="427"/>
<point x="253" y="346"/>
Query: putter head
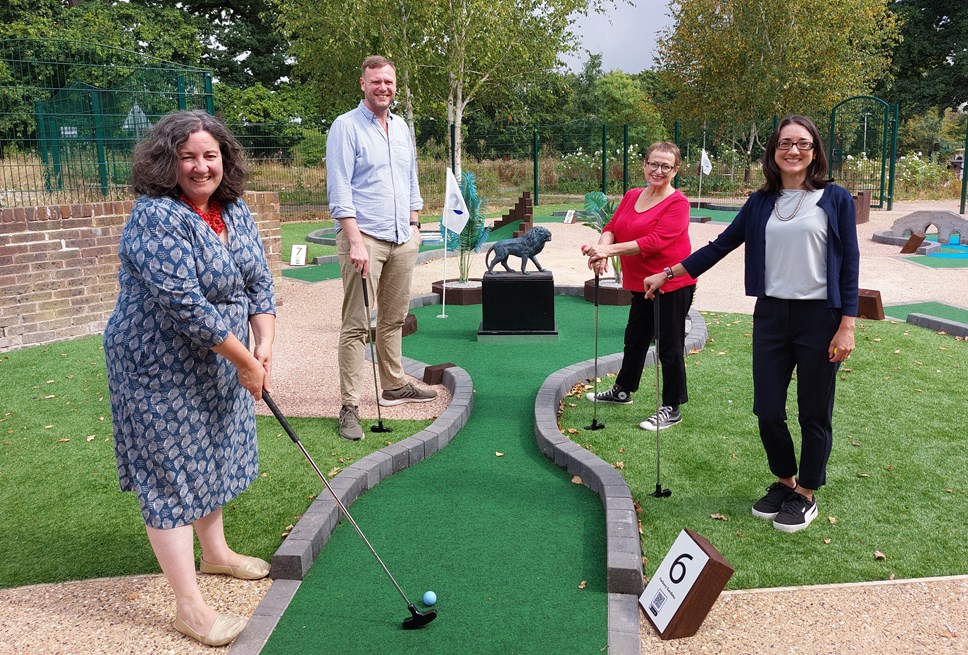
<point x="417" y="620"/>
<point x="660" y="492"/>
<point x="379" y="427"/>
<point x="595" y="425"/>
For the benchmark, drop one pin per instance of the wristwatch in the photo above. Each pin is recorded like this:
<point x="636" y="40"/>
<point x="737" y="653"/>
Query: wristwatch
<point x="412" y="224"/>
<point x="668" y="272"/>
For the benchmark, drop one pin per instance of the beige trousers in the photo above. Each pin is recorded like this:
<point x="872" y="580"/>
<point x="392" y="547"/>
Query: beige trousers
<point x="388" y="288"/>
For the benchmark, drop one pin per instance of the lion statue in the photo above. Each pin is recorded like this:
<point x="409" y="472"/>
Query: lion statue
<point x="526" y="247"/>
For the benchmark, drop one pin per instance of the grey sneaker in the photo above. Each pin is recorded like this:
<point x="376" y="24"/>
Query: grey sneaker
<point x="406" y="394"/>
<point x="349" y="423"/>
<point x="666" y="418"/>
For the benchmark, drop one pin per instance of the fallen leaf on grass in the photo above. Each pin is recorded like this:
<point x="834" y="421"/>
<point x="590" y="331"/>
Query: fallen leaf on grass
<point x="499" y="454"/>
<point x="582" y="584"/>
<point x="619" y="465"/>
<point x="575" y="480"/>
<point x="719" y="517"/>
<point x="949" y="490"/>
<point x="49" y="397"/>
<point x="572" y="431"/>
<point x="333" y="472"/>
<point x="863" y="475"/>
<point x="65" y="440"/>
<point x="621" y="450"/>
<point x="832" y="520"/>
<point x="90" y="437"/>
<point x="878" y="555"/>
<point x="855" y="444"/>
<point x="263" y="475"/>
<point x="826" y="540"/>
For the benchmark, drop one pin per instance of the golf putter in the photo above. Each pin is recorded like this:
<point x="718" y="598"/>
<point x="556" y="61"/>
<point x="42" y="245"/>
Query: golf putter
<point x="659" y="491"/>
<point x="379" y="427"/>
<point x="416" y="619"/>
<point x="595" y="424"/>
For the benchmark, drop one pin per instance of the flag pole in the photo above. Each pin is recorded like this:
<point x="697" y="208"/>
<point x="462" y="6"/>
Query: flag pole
<point x="699" y="200"/>
<point x="443" y="285"/>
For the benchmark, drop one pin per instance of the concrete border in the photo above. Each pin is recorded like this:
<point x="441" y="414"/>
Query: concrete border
<point x="623" y="550"/>
<point x="624" y="575"/>
<point x="296" y="554"/>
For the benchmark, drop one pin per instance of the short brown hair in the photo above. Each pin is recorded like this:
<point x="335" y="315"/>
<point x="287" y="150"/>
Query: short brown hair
<point x="665" y="146"/>
<point x="376" y="61"/>
<point x="816" y="171"/>
<point x="154" y="167"/>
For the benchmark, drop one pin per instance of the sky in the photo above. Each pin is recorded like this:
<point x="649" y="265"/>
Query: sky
<point x="626" y="35"/>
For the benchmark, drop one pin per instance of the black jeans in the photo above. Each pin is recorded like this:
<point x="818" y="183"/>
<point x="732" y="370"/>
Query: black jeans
<point x="790" y="334"/>
<point x="673" y="308"/>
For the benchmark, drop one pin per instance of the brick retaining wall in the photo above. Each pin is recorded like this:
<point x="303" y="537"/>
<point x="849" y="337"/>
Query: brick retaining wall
<point x="59" y="266"/>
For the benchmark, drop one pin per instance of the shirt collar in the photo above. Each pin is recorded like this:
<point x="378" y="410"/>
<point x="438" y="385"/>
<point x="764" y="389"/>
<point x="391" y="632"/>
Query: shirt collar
<point x="370" y="116"/>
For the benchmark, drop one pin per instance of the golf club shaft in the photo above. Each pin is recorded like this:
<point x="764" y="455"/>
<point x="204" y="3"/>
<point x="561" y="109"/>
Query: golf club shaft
<point x="595" y="391"/>
<point x="376" y="386"/>
<point x="295" y="439"/>
<point x="658" y="422"/>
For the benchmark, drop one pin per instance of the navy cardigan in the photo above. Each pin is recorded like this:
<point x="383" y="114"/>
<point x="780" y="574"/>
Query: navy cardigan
<point x="749" y="227"/>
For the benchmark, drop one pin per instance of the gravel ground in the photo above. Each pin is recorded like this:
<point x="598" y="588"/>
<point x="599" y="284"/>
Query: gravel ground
<point x="134" y="614"/>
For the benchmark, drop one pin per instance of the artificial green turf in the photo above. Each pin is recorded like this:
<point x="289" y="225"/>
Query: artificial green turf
<point x="937" y="309"/>
<point x="939" y="262"/>
<point x="893" y="483"/>
<point x="59" y="484"/>
<point x="506" y="541"/>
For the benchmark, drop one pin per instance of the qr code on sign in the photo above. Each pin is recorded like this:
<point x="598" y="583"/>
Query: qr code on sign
<point x="657" y="602"/>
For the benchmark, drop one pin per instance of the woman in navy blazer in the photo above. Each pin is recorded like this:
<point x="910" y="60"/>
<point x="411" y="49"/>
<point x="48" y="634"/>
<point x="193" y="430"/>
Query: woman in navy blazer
<point x="802" y="266"/>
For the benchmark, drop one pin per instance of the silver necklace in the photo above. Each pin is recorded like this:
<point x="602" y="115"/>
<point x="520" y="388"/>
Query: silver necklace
<point x="796" y="210"/>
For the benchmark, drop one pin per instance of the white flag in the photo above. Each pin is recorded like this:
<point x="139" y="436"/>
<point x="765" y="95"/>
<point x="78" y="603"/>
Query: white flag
<point x="455" y="209"/>
<point x="706" y="165"/>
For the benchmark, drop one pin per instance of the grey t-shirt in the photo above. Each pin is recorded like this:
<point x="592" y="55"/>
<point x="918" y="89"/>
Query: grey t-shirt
<point x="796" y="247"/>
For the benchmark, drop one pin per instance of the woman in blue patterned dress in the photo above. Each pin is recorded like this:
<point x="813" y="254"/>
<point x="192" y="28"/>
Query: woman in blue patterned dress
<point x="183" y="383"/>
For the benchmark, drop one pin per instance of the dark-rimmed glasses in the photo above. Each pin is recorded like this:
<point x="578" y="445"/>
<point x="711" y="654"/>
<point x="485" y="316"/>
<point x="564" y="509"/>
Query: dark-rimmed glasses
<point x="802" y="144"/>
<point x="656" y="166"/>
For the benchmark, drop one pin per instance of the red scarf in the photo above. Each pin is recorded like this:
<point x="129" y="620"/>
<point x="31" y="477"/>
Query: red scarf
<point x="213" y="216"/>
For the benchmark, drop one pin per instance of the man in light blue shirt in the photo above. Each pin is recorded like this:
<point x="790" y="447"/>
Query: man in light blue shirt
<point x="374" y="197"/>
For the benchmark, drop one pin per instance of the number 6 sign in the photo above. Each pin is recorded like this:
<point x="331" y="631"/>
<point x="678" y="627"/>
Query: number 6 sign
<point x="685" y="586"/>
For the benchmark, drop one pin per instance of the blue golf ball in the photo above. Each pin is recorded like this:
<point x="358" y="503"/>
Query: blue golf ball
<point x="429" y="598"/>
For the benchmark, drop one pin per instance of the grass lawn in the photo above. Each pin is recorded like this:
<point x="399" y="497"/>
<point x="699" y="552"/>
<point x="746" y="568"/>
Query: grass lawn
<point x="59" y="484"/>
<point x="896" y="481"/>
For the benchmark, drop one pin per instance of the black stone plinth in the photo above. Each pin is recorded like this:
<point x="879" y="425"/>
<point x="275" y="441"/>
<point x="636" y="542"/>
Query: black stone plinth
<point x="518" y="304"/>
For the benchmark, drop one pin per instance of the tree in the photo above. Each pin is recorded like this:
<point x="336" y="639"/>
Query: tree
<point x="737" y="61"/>
<point x="448" y="54"/>
<point x="931" y="61"/>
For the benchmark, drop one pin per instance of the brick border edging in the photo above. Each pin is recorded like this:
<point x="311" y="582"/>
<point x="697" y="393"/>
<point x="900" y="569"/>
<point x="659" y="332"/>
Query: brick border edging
<point x="624" y="576"/>
<point x="304" y="543"/>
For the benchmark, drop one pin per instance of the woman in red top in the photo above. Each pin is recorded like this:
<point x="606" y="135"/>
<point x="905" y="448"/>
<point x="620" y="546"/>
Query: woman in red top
<point x="649" y="232"/>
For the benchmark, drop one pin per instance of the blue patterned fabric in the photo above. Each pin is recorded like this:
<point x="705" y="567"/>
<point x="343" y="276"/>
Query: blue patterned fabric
<point x="184" y="428"/>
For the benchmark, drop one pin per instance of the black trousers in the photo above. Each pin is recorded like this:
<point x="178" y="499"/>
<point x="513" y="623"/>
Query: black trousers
<point x="790" y="334"/>
<point x="673" y="308"/>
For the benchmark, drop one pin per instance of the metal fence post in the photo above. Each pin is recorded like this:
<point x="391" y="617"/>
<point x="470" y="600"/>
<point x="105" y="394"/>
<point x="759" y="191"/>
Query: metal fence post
<point x="675" y="140"/>
<point x="893" y="168"/>
<point x="964" y="171"/>
<point x="604" y="158"/>
<point x="102" y="165"/>
<point x="625" y="160"/>
<point x="534" y="158"/>
<point x="209" y="96"/>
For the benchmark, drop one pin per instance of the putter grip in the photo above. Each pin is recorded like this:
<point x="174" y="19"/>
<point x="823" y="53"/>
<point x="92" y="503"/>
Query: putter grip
<point x="279" y="417"/>
<point x="366" y="296"/>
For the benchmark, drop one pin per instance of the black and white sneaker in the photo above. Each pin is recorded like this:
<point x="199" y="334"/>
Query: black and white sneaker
<point x="666" y="418"/>
<point x="768" y="506"/>
<point x="616" y="395"/>
<point x="796" y="513"/>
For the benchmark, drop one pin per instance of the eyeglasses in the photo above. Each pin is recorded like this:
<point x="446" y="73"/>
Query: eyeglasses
<point x="802" y="144"/>
<point x="656" y="166"/>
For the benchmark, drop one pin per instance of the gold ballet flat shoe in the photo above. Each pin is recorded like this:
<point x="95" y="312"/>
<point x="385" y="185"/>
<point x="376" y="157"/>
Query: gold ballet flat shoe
<point x="224" y="630"/>
<point x="251" y="568"/>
